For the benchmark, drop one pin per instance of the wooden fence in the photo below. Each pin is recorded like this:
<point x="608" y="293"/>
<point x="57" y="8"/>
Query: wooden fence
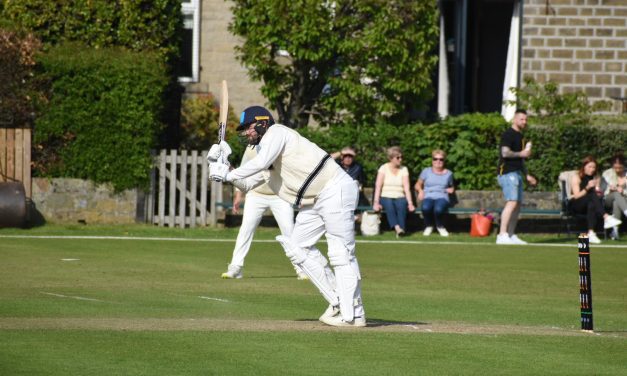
<point x="181" y="193"/>
<point x="15" y="157"/>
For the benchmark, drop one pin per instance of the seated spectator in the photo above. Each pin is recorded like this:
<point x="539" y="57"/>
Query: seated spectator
<point x="434" y="186"/>
<point x="586" y="198"/>
<point x="391" y="191"/>
<point x="346" y="160"/>
<point x="616" y="190"/>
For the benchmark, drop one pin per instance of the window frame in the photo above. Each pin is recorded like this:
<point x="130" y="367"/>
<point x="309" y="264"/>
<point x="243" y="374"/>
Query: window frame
<point x="192" y="7"/>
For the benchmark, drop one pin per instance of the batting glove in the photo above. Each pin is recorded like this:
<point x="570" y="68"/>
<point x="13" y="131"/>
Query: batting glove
<point x="219" y="152"/>
<point x="218" y="171"/>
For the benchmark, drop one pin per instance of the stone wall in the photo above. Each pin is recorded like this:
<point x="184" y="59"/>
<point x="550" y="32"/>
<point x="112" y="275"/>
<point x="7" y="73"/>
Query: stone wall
<point x="217" y="59"/>
<point x="581" y="44"/>
<point x="81" y="201"/>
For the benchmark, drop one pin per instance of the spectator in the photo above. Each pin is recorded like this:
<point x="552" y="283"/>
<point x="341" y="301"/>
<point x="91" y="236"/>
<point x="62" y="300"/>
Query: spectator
<point x="391" y="191"/>
<point x="434" y="186"/>
<point x="616" y="190"/>
<point x="346" y="159"/>
<point x="586" y="198"/>
<point x="510" y="176"/>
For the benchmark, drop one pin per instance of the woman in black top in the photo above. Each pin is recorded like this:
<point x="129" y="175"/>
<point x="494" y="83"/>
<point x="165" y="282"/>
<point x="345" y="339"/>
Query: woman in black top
<point x="587" y="198"/>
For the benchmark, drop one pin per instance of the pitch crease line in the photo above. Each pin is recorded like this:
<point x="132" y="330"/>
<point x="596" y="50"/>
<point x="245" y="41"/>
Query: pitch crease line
<point x="362" y="241"/>
<point x="71" y="297"/>
<point x="216" y="299"/>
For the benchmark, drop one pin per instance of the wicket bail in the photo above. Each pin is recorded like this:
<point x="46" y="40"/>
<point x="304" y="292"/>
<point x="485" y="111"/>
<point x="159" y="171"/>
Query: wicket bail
<point x="585" y="283"/>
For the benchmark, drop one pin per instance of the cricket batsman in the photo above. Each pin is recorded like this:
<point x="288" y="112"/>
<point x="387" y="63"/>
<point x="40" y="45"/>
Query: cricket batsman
<point x="304" y="175"/>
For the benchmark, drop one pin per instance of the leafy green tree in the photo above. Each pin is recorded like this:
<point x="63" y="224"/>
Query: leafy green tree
<point x="340" y="61"/>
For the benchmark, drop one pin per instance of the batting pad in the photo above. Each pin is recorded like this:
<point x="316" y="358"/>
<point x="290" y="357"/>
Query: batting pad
<point x="312" y="267"/>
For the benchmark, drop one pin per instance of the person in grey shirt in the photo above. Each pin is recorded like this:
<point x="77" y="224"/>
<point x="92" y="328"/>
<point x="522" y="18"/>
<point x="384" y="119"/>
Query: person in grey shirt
<point x="434" y="186"/>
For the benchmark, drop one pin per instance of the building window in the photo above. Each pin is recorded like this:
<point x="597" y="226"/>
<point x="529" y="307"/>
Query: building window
<point x="189" y="65"/>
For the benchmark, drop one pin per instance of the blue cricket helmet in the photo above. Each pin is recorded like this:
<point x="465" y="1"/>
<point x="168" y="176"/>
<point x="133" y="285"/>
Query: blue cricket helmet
<point x="255" y="114"/>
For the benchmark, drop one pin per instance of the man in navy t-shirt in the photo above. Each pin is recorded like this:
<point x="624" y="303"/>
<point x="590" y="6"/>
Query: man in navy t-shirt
<point x="513" y="152"/>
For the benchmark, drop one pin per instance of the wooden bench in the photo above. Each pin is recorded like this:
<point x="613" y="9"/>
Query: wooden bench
<point x="454" y="210"/>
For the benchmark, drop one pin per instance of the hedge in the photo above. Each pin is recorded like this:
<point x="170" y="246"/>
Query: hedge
<point x="138" y="25"/>
<point x="102" y="119"/>
<point x="471" y="141"/>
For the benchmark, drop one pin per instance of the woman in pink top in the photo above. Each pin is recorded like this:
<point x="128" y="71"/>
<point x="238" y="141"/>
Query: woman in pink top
<point x="391" y="191"/>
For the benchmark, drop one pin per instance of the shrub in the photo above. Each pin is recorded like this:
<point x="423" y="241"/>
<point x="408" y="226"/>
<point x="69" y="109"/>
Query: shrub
<point x="102" y="118"/>
<point x="471" y="142"/>
<point x="544" y="99"/>
<point x="137" y="25"/>
<point x="562" y="146"/>
<point x="19" y="88"/>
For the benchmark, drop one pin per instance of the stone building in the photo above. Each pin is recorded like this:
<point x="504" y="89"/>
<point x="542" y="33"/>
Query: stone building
<point x="581" y="44"/>
<point x="486" y="47"/>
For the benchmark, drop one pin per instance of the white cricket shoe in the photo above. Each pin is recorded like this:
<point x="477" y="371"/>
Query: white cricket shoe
<point x="428" y="230"/>
<point x="358" y="322"/>
<point x="516" y="240"/>
<point x="442" y="231"/>
<point x="593" y="238"/>
<point x="610" y="222"/>
<point x="330" y="312"/>
<point x="504" y="239"/>
<point x="233" y="272"/>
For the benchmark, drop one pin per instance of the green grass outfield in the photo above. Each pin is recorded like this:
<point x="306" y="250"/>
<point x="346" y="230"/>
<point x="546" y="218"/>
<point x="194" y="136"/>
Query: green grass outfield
<point x="142" y="300"/>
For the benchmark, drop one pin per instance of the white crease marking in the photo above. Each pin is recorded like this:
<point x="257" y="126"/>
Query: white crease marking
<point x="361" y="241"/>
<point x="217" y="299"/>
<point x="71" y="297"/>
<point x="70" y="259"/>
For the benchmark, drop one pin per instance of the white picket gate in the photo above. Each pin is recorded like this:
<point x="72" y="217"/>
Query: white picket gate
<point x="180" y="189"/>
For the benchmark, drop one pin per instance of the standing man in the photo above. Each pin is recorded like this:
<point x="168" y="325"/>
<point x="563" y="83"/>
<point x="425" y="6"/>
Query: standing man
<point x="513" y="152"/>
<point x="304" y="175"/>
<point x="257" y="202"/>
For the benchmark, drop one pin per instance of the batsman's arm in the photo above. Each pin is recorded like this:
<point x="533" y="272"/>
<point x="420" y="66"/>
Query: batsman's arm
<point x="252" y="182"/>
<point x="270" y="148"/>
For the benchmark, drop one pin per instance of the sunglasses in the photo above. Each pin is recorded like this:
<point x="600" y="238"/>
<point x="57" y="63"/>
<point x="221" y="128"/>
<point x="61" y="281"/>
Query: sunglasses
<point x="438" y="159"/>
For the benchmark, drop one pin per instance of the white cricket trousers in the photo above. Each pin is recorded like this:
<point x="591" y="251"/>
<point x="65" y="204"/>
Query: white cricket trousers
<point x="333" y="215"/>
<point x="254" y="207"/>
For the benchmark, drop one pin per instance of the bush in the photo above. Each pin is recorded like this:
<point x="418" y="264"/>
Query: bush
<point x="562" y="146"/>
<point x="19" y="88"/>
<point x="471" y="142"/>
<point x="102" y="118"/>
<point x="137" y="25"/>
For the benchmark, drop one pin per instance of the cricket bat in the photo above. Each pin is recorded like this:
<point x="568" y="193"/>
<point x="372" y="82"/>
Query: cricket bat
<point x="224" y="111"/>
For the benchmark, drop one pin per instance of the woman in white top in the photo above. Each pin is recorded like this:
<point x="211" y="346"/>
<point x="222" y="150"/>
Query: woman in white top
<point x="391" y="191"/>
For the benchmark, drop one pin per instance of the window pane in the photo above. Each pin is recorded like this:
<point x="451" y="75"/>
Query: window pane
<point x="185" y="64"/>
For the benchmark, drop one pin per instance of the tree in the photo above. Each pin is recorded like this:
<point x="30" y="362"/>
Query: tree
<point x="340" y="61"/>
<point x="19" y="88"/>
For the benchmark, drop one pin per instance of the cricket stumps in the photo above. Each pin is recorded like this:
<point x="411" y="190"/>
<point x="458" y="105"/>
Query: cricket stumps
<point x="585" y="284"/>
